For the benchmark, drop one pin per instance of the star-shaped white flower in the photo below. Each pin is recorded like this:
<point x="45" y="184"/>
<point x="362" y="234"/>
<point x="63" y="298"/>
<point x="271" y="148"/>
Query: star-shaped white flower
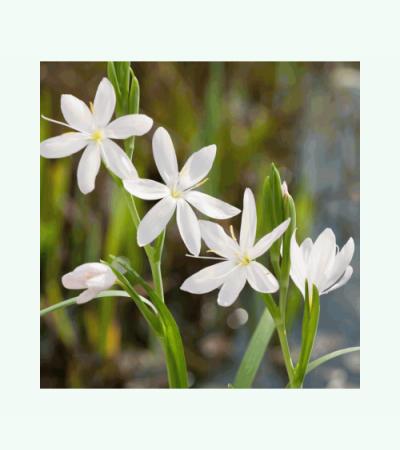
<point x="177" y="193"/>
<point x="94" y="133"/>
<point x="320" y="262"/>
<point x="93" y="277"/>
<point x="239" y="259"/>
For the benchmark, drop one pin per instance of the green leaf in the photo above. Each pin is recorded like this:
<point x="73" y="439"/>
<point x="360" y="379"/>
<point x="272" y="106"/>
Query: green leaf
<point x="134" y="95"/>
<point x="309" y="331"/>
<point x="148" y="313"/>
<point x="323" y="359"/>
<point x="72" y="301"/>
<point x="112" y="76"/>
<point x="289" y="211"/>
<point x="255" y="351"/>
<point x="276" y="188"/>
<point x="171" y="338"/>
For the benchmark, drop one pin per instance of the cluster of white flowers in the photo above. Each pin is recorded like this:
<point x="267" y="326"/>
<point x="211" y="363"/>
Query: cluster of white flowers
<point x="318" y="263"/>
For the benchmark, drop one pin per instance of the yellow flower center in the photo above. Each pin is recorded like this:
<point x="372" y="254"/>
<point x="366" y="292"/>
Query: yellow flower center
<point x="97" y="136"/>
<point x="175" y="193"/>
<point x="245" y="260"/>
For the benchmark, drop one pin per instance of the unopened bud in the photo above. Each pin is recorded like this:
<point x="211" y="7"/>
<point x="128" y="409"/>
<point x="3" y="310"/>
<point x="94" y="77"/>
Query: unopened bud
<point x="285" y="190"/>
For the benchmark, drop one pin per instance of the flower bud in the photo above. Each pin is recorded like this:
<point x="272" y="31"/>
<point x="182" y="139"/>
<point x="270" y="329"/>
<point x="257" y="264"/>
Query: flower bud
<point x="93" y="277"/>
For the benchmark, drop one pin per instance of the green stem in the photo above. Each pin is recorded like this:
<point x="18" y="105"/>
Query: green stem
<point x="72" y="301"/>
<point x="129" y="104"/>
<point x="282" y="334"/>
<point x="281" y="329"/>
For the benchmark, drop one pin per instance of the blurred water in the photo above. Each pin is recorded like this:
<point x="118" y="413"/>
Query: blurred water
<point x="327" y="167"/>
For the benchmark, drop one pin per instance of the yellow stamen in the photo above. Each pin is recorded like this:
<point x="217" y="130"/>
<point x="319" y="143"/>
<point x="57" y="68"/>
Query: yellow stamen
<point x="231" y="230"/>
<point x="245" y="260"/>
<point x="176" y="194"/>
<point x="97" y="136"/>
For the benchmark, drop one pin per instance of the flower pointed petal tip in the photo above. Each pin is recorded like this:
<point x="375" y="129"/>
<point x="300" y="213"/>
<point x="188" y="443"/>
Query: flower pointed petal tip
<point x="188" y="226"/>
<point x="86" y="296"/>
<point x="211" y="206"/>
<point x="208" y="279"/>
<point x="88" y="168"/>
<point x="76" y="113"/>
<point x="145" y="189"/>
<point x="249" y="220"/>
<point x="232" y="287"/>
<point x="128" y="126"/>
<point x="155" y="221"/>
<point x="64" y="145"/>
<point x="104" y="103"/>
<point x="165" y="156"/>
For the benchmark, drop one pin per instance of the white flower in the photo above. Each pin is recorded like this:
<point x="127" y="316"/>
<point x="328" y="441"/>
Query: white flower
<point x="177" y="193"/>
<point x="94" y="133"/>
<point x="321" y="263"/>
<point x="94" y="277"/>
<point x="239" y="263"/>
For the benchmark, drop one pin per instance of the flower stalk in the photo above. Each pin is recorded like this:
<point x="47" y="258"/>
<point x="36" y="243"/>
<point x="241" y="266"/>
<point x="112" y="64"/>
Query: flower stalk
<point x="128" y="96"/>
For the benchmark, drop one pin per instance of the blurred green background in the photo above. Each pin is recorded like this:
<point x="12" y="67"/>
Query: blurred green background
<point x="302" y="116"/>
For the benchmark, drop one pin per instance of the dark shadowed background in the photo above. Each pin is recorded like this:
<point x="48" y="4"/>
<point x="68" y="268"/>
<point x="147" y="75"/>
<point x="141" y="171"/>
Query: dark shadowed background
<point x="302" y="116"/>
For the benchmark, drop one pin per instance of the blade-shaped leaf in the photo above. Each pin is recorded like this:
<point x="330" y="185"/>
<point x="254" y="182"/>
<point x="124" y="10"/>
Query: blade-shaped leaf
<point x="323" y="359"/>
<point x="72" y="301"/>
<point x="171" y="338"/>
<point x="255" y="351"/>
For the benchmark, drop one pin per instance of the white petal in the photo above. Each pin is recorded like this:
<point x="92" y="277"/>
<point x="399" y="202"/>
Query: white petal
<point x="127" y="126"/>
<point x="77" y="114"/>
<point x="77" y="279"/>
<point x="165" y="156"/>
<point x="155" y="220"/>
<point x="298" y="269"/>
<point x="73" y="280"/>
<point x="104" y="103"/>
<point x="342" y="260"/>
<point x="63" y="145"/>
<point x="345" y="278"/>
<point x="210" y="206"/>
<point x="260" y="278"/>
<point x="265" y="242"/>
<point x="102" y="281"/>
<point x="197" y="167"/>
<point x="88" y="168"/>
<point x="117" y="160"/>
<point x="233" y="285"/>
<point x="321" y="258"/>
<point x="218" y="241"/>
<point x="208" y="279"/>
<point x="188" y="226"/>
<point x="249" y="221"/>
<point x="87" y="295"/>
<point x="146" y="189"/>
<point x="306" y="247"/>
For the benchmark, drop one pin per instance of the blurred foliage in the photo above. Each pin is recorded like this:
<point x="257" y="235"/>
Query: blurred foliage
<point x="252" y="111"/>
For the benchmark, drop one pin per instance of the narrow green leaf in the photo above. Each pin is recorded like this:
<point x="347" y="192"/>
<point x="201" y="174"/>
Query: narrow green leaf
<point x="72" y="301"/>
<point x="309" y="332"/>
<point x="134" y="95"/>
<point x="266" y="208"/>
<point x="148" y="313"/>
<point x="172" y="341"/>
<point x="323" y="359"/>
<point x="255" y="352"/>
<point x="276" y="188"/>
<point x="289" y="211"/>
<point x="112" y="76"/>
